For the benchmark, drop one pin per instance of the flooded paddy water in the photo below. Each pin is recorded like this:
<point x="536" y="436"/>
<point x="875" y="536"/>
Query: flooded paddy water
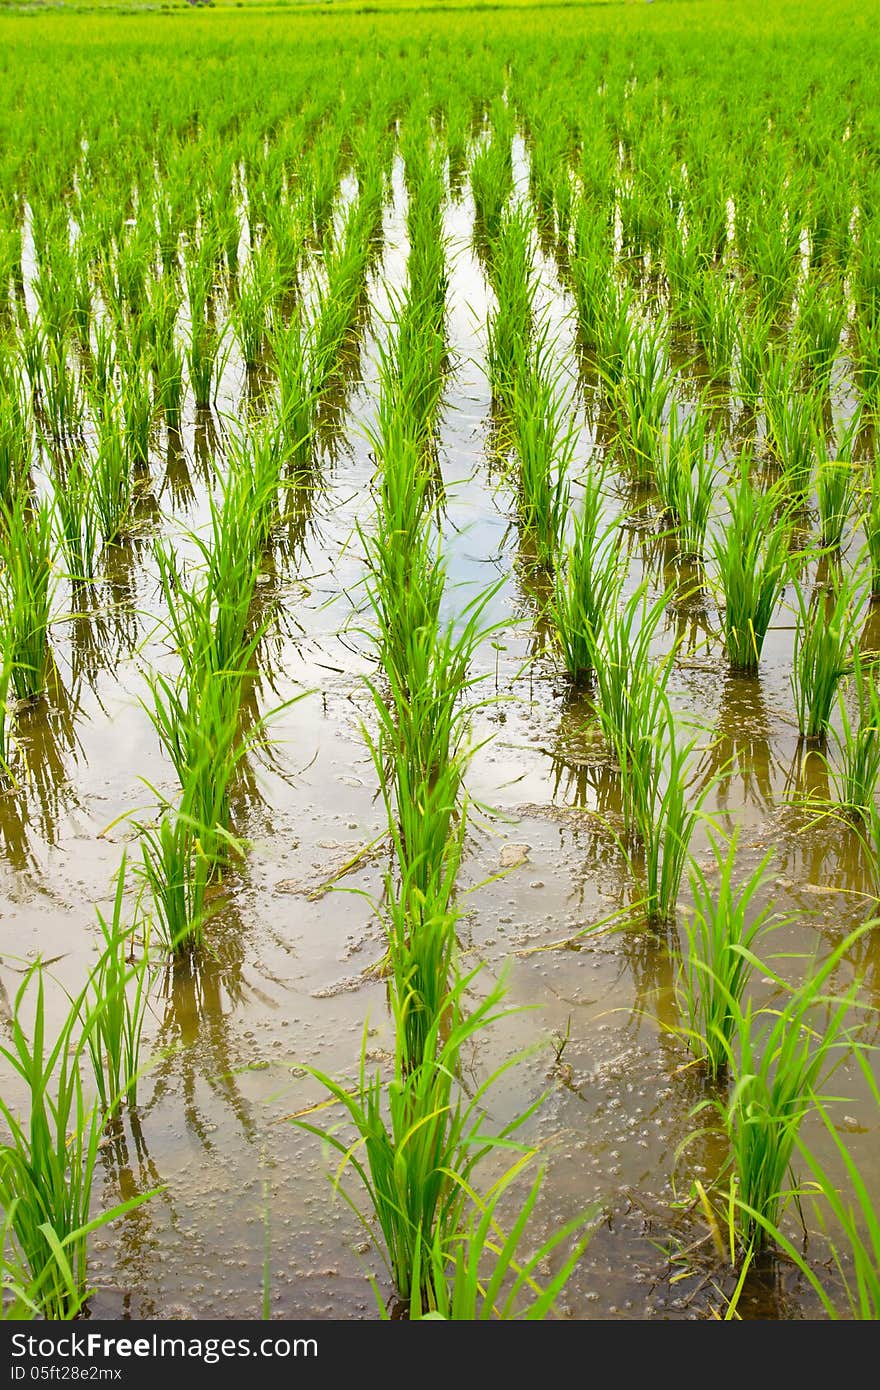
<point x="289" y="977"/>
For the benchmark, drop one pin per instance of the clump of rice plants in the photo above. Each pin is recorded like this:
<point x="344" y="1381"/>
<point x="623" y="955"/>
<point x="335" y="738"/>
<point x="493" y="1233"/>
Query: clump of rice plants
<point x="27" y="578"/>
<point x="722" y="929"/>
<point x="419" y="1142"/>
<point x="115" y="1003"/>
<point x="684" y="475"/>
<point x="855" y="767"/>
<point x="512" y="322"/>
<point x="47" y="1166"/>
<point x="780" y="1062"/>
<point x="752" y="554"/>
<point x="544" y="440"/>
<point x="641" y="394"/>
<point x="824" y="634"/>
<point x="78" y="525"/>
<point x="586" y="583"/>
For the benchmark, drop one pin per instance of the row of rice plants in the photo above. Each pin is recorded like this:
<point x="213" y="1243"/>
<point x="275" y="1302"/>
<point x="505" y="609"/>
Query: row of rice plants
<point x="420" y="1135"/>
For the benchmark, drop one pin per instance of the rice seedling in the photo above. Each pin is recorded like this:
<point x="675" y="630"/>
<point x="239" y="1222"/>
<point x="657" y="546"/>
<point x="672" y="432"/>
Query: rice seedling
<point x="207" y="349"/>
<point x="641" y="397"/>
<point x="836" y="485"/>
<point x="511" y="324"/>
<point x="586" y="584"/>
<point x="481" y="1275"/>
<point x="421" y="1141"/>
<point x="779" y="1064"/>
<point x="176" y="872"/>
<point x="855" y="1244"/>
<point x="630" y="681"/>
<point x="654" y="783"/>
<point x="113" y="1012"/>
<point x="545" y="442"/>
<point x="78" y="526"/>
<point x="753" y="561"/>
<point x="491" y="180"/>
<point x="15" y="433"/>
<point x="591" y="269"/>
<point x="62" y="406"/>
<point x="112" y="477"/>
<point x="855" y="767"/>
<point x="292" y="352"/>
<point x="26" y="552"/>
<point x="616" y="343"/>
<point x="793" y="419"/>
<point x="871" y="526"/>
<point x="257" y="288"/>
<point x="825" y="630"/>
<point x="722" y="930"/>
<point x="752" y="357"/>
<point x="685" y="469"/>
<point x="47" y="1166"/>
<point x="137" y="417"/>
<point x="818" y="327"/>
<point x="714" y="306"/>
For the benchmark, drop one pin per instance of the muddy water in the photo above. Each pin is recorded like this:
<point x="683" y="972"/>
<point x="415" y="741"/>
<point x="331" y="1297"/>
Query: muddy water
<point x="286" y="982"/>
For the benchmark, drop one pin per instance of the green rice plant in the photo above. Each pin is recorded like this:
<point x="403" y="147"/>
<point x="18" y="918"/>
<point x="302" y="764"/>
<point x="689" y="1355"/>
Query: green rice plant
<point x="418" y="1141"/>
<point x="868" y="369"/>
<point x="402" y="554"/>
<point x="196" y="718"/>
<point x="722" y="929"/>
<point x="630" y="681"/>
<point x="825" y="631"/>
<point x="62" y="396"/>
<point x="545" y="440"/>
<point x="753" y="561"/>
<point x="420" y="754"/>
<point x="855" y="768"/>
<point x="207" y="349"/>
<point x="820" y="321"/>
<point x="855" y="1246"/>
<point x="871" y="526"/>
<point x="481" y="1275"/>
<point x="103" y="363"/>
<point x="685" y="471"/>
<point x="511" y="323"/>
<point x="19" y="1293"/>
<point x="752" y="356"/>
<point x="616" y="344"/>
<point x="586" y="584"/>
<point x="137" y="416"/>
<point x="47" y="1165"/>
<point x="78" y="525"/>
<point x="170" y="388"/>
<point x="32" y="348"/>
<point x="640" y="399"/>
<point x="714" y="306"/>
<point x="292" y="349"/>
<point x="257" y="288"/>
<point x="491" y="180"/>
<point x="654" y="783"/>
<point x="176" y="873"/>
<point x="836" y="486"/>
<point x="114" y="1005"/>
<point x="256" y="455"/>
<point x="780" y="1061"/>
<point x="26" y="552"/>
<point x="591" y="269"/>
<point x="112" y="478"/>
<point x="793" y="419"/>
<point x="15" y="432"/>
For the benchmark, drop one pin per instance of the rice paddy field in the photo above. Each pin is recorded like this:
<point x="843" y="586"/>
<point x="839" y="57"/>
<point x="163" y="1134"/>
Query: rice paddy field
<point x="439" y="639"/>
